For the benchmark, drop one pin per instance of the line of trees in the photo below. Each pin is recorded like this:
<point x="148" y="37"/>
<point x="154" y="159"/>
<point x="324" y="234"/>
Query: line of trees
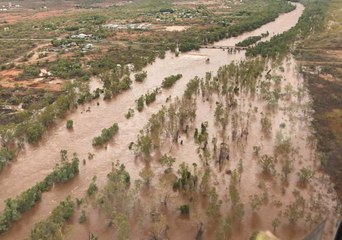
<point x="51" y="228"/>
<point x="106" y="135"/>
<point x="14" y="208"/>
<point x="311" y="21"/>
<point x="168" y="82"/>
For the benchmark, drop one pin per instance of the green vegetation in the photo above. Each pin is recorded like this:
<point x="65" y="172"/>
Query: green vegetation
<point x="168" y="82"/>
<point x="106" y="135"/>
<point x="249" y="41"/>
<point x="111" y="65"/>
<point x="70" y="124"/>
<point x="146" y="174"/>
<point x="187" y="181"/>
<point x="267" y="164"/>
<point x="115" y="82"/>
<point x="29" y="72"/>
<point x="83" y="217"/>
<point x="191" y="87"/>
<point x="140" y="77"/>
<point x="92" y="187"/>
<point x="305" y="175"/>
<point x="319" y="55"/>
<point x="116" y="200"/>
<point x="140" y="103"/>
<point x="231" y="89"/>
<point x="6" y="155"/>
<point x="28" y="199"/>
<point x="309" y="23"/>
<point x="34" y="132"/>
<point x="167" y="161"/>
<point x="51" y="228"/>
<point x="150" y="97"/>
<point x="184" y="209"/>
<point x="129" y="114"/>
<point x="144" y="145"/>
<point x="67" y="69"/>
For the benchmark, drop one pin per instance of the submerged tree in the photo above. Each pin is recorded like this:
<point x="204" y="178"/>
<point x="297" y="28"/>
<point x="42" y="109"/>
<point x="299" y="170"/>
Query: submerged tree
<point x="267" y="164"/>
<point x="146" y="174"/>
<point x="305" y="175"/>
<point x="167" y="161"/>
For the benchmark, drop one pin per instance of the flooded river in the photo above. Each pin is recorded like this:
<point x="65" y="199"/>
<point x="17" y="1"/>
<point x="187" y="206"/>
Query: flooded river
<point x="36" y="162"/>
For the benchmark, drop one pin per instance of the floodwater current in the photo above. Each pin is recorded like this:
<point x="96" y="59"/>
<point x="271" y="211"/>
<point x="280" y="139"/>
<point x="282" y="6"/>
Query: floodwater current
<point x="35" y="162"/>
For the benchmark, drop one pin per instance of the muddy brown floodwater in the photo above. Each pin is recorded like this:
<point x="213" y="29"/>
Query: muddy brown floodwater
<point x="35" y="163"/>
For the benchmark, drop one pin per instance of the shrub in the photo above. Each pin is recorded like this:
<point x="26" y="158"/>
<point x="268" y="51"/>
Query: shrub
<point x="106" y="135"/>
<point x="151" y="97"/>
<point x="267" y="164"/>
<point x="83" y="217"/>
<point x="167" y="161"/>
<point x="67" y="69"/>
<point x="168" y="82"/>
<point x="305" y="175"/>
<point x="70" y="124"/>
<point x="184" y="209"/>
<point x="249" y="41"/>
<point x="6" y="155"/>
<point x="34" y="132"/>
<point x="191" y="88"/>
<point x="129" y="114"/>
<point x="140" y="77"/>
<point x="140" y="103"/>
<point x="92" y="187"/>
<point x="29" y="72"/>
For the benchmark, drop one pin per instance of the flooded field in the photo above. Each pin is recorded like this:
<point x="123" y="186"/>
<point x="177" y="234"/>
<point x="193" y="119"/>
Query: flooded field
<point x="257" y="127"/>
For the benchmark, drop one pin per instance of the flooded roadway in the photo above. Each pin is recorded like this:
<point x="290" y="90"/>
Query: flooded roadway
<point x="35" y="163"/>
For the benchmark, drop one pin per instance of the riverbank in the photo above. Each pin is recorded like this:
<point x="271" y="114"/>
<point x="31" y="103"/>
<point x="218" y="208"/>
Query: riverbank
<point x="321" y="60"/>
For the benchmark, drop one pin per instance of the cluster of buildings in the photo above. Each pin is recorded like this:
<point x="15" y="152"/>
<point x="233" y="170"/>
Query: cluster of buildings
<point x="133" y="26"/>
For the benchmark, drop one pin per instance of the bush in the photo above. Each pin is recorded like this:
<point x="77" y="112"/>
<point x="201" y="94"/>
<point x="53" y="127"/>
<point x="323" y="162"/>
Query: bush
<point x="151" y="97"/>
<point x="29" y="72"/>
<point x="249" y="41"/>
<point x="6" y="155"/>
<point x="191" y="88"/>
<point x="305" y="175"/>
<point x="67" y="69"/>
<point x="129" y="114"/>
<point x="140" y="103"/>
<point x="92" y="188"/>
<point x="106" y="135"/>
<point x="83" y="217"/>
<point x="70" y="124"/>
<point x="184" y="209"/>
<point x="34" y="132"/>
<point x="140" y="77"/>
<point x="168" y="82"/>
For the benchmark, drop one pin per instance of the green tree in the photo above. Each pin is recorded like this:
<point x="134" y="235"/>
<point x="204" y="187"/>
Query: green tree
<point x="167" y="161"/>
<point x="69" y="124"/>
<point x="146" y="174"/>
